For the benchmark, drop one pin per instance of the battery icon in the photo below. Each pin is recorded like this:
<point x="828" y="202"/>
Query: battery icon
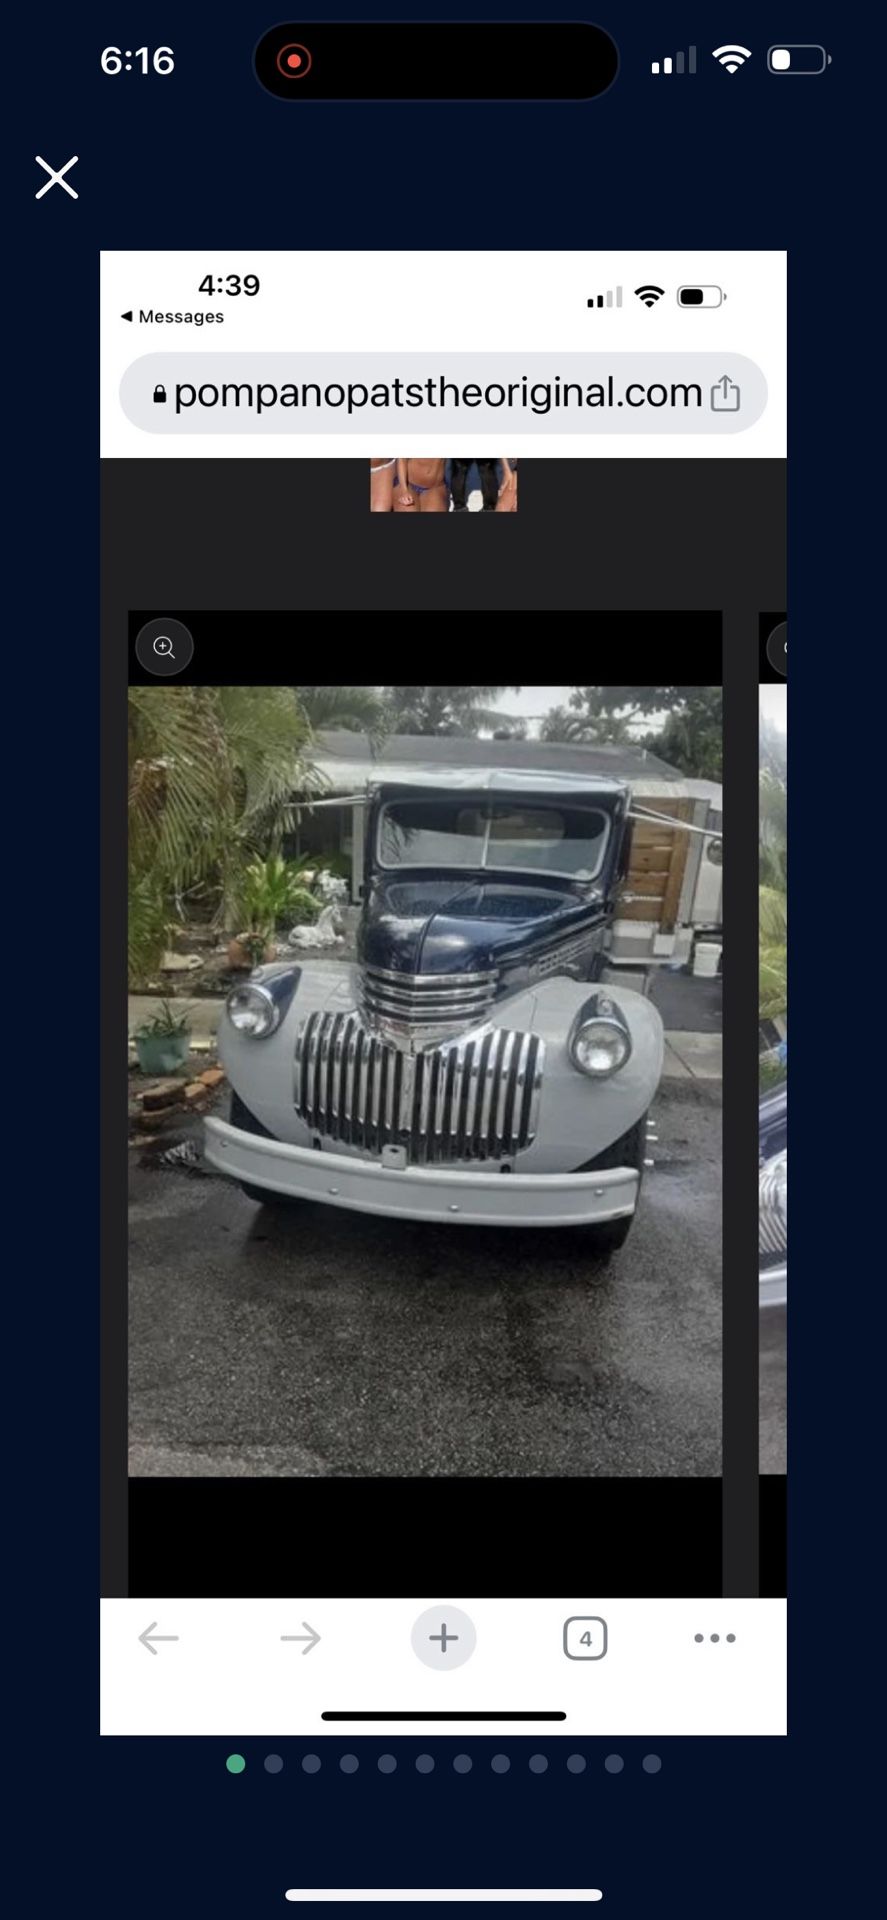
<point x="700" y="296"/>
<point x="798" y="59"/>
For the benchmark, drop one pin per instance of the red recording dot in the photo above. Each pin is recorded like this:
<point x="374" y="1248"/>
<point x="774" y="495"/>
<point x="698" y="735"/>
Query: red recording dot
<point x="293" y="61"/>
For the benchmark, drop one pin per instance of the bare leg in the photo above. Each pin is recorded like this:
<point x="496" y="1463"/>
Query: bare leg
<point x="381" y="487"/>
<point x="507" y="501"/>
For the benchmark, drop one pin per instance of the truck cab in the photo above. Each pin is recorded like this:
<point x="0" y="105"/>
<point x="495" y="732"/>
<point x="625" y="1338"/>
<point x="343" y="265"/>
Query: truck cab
<point x="470" y="1040"/>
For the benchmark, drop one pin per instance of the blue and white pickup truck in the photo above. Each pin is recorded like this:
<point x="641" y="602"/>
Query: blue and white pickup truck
<point x="469" y="1068"/>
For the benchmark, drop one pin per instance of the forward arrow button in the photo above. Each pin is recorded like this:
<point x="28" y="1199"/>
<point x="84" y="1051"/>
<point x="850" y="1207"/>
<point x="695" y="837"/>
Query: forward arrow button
<point x="309" y="1636"/>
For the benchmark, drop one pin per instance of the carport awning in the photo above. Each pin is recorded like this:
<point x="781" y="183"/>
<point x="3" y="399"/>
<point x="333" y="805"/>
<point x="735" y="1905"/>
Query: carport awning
<point x="349" y="780"/>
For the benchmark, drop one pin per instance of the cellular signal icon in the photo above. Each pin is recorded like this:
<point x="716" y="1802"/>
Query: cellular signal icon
<point x="677" y="63"/>
<point x="613" y="297"/>
<point x="731" y="58"/>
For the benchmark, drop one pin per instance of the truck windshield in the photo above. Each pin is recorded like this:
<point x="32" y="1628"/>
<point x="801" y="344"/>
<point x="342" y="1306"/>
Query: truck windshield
<point x="507" y="836"/>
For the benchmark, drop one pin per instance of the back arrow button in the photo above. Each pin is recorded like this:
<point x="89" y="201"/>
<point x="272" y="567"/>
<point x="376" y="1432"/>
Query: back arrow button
<point x="148" y="1638"/>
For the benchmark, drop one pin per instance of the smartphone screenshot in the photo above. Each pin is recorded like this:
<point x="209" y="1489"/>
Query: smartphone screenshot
<point x="431" y="1008"/>
<point x="439" y="1549"/>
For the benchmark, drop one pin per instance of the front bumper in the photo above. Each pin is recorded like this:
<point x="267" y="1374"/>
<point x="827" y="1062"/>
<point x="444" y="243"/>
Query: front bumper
<point x="448" y="1194"/>
<point x="773" y="1285"/>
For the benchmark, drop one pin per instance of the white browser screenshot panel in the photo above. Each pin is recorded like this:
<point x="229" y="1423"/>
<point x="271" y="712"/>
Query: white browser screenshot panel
<point x="442" y="1001"/>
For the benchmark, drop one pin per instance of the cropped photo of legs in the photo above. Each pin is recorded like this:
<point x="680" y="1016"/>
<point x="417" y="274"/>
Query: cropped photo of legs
<point x="443" y="486"/>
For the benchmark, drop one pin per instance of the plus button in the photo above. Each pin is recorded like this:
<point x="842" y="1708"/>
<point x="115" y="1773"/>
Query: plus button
<point x="443" y="1637"/>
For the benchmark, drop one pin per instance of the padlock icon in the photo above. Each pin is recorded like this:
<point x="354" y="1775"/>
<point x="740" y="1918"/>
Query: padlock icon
<point x="159" y="395"/>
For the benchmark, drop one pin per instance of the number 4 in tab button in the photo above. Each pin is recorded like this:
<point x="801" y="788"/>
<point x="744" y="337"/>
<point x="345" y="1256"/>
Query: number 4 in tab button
<point x="585" y="1637"/>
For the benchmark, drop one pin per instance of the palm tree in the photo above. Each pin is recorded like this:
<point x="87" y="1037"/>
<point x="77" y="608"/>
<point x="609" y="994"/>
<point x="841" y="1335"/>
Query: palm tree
<point x="691" y="737"/>
<point x="772" y="954"/>
<point x="772" y="901"/>
<point x="581" y="729"/>
<point x="772" y="831"/>
<point x="443" y="710"/>
<point x="212" y="772"/>
<point x="355" y="709"/>
<point x="561" y="723"/>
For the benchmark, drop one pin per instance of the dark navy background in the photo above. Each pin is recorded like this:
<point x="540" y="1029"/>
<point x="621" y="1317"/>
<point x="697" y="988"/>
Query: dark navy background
<point x="205" y="158"/>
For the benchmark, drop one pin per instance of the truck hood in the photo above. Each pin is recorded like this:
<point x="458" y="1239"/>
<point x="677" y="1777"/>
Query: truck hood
<point x="468" y="925"/>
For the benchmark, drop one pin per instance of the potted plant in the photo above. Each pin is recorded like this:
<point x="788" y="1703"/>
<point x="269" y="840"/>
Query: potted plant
<point x="251" y="948"/>
<point x="163" y="1041"/>
<point x="273" y="893"/>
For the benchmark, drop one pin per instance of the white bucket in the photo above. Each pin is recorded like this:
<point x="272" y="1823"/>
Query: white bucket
<point x="706" y="959"/>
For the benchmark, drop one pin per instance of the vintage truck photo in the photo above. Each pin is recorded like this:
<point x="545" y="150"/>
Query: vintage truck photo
<point x="469" y="1068"/>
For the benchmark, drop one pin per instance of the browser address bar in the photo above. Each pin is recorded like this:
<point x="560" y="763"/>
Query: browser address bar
<point x="654" y="392"/>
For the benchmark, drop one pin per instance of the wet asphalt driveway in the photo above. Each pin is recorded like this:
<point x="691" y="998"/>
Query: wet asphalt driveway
<point x="314" y="1342"/>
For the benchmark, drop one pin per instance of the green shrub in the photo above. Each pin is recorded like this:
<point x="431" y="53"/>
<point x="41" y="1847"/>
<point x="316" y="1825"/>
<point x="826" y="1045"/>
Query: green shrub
<point x="335" y="862"/>
<point x="269" y="888"/>
<point x="771" y="1073"/>
<point x="303" y="908"/>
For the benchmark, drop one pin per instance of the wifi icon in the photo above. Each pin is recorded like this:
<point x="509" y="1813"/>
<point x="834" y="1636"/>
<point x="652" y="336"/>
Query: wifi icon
<point x="731" y="58"/>
<point x="649" y="295"/>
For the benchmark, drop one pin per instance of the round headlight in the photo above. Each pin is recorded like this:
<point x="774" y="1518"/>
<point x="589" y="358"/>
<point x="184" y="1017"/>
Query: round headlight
<point x="251" y="1010"/>
<point x="599" y="1047"/>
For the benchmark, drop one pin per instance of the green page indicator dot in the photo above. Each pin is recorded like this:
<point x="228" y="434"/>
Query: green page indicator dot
<point x="235" y="1763"/>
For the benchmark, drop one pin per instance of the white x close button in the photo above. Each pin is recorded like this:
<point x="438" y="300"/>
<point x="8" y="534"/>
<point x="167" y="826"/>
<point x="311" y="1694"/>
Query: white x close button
<point x="56" y="176"/>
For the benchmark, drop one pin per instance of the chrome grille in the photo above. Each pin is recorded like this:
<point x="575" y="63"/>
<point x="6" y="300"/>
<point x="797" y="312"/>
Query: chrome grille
<point x="569" y="954"/>
<point x="425" y="1000"/>
<point x="475" y="1098"/>
<point x="773" y="1211"/>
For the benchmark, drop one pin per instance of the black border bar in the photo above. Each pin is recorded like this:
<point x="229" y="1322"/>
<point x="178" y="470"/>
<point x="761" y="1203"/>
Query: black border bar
<point x="256" y="647"/>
